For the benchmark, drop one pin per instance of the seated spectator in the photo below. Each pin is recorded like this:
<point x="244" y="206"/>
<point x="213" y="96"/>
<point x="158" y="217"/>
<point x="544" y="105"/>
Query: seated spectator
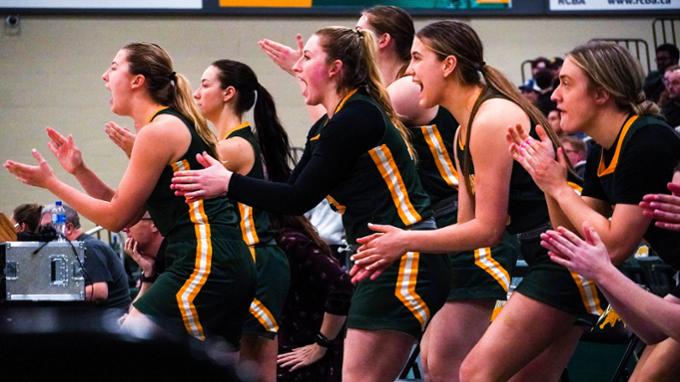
<point x="544" y="80"/>
<point x="146" y="247"/>
<point x="310" y="334"/>
<point x="670" y="108"/>
<point x="666" y="55"/>
<point x="106" y="283"/>
<point x="577" y="153"/>
<point x="554" y="119"/>
<point x="26" y="218"/>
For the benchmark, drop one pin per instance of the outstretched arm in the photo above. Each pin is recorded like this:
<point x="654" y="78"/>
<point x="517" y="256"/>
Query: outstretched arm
<point x="651" y="317"/>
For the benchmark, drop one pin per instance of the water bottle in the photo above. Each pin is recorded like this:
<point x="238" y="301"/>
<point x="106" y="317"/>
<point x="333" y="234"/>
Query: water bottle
<point x="59" y="220"/>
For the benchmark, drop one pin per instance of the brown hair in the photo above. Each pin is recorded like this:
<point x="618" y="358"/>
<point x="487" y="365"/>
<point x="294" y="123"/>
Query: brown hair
<point x="28" y="214"/>
<point x="167" y="87"/>
<point x="356" y="50"/>
<point x="271" y="136"/>
<point x="576" y="142"/>
<point x="611" y="67"/>
<point x="454" y="38"/>
<point x="398" y="24"/>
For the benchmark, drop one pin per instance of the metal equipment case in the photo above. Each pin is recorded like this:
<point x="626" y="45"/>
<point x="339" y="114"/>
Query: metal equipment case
<point x="36" y="271"/>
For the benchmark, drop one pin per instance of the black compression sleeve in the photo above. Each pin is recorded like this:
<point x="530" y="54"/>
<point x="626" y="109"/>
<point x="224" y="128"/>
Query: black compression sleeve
<point x="348" y="135"/>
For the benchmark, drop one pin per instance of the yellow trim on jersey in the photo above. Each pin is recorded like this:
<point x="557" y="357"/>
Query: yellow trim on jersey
<point x="461" y="144"/>
<point x="601" y="171"/>
<point x="243" y="125"/>
<point x="589" y="295"/>
<point x="382" y="157"/>
<point x="247" y="223"/>
<point x="577" y="188"/>
<point x="344" y="99"/>
<point x="315" y="138"/>
<point x="441" y="157"/>
<point x="484" y="260"/>
<point x="263" y="316"/>
<point x="192" y="286"/>
<point x="253" y="253"/>
<point x="156" y="113"/>
<point x="339" y="208"/>
<point x="406" y="288"/>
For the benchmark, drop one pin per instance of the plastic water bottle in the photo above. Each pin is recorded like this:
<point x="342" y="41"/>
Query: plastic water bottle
<point x="59" y="220"/>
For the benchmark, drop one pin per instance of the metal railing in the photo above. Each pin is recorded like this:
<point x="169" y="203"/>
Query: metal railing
<point x="666" y="31"/>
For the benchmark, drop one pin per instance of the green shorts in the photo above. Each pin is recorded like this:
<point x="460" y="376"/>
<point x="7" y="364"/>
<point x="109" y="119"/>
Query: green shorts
<point x="273" y="281"/>
<point x="485" y="273"/>
<point x="404" y="297"/>
<point x="554" y="285"/>
<point x="205" y="291"/>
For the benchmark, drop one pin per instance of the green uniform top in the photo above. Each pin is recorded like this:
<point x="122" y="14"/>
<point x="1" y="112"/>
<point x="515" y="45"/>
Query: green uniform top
<point x="433" y="144"/>
<point x="254" y="222"/>
<point x="527" y="208"/>
<point x="172" y="214"/>
<point x="357" y="159"/>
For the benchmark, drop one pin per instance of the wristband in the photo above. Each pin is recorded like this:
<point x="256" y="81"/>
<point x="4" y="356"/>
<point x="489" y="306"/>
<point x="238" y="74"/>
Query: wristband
<point x="148" y="279"/>
<point x="323" y="341"/>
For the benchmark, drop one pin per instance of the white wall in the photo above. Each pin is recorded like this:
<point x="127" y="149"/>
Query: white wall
<point x="50" y="73"/>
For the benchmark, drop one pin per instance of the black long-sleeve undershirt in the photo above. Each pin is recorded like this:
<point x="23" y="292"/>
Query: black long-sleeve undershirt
<point x="354" y="130"/>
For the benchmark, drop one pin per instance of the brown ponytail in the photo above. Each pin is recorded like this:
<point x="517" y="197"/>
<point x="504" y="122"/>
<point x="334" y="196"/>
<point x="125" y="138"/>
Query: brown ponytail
<point x="356" y="50"/>
<point x="167" y="87"/>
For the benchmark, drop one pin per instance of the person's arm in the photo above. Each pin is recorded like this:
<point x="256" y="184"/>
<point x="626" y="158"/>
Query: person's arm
<point x="236" y="154"/>
<point x="348" y="135"/>
<point x="145" y="166"/>
<point x="621" y="233"/>
<point x="651" y="317"/>
<point x="97" y="292"/>
<point x="70" y="158"/>
<point x="404" y="94"/>
<point x="493" y="168"/>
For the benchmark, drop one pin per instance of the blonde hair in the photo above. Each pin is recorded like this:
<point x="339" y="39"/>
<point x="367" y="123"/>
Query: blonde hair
<point x="167" y="87"/>
<point x="611" y="67"/>
<point x="356" y="49"/>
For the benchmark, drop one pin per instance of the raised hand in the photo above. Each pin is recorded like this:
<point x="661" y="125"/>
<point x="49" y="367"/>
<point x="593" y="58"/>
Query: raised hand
<point x="35" y="175"/>
<point x="210" y="182"/>
<point x="65" y="150"/>
<point x="537" y="157"/>
<point x="301" y="357"/>
<point x="282" y="55"/>
<point x="121" y="136"/>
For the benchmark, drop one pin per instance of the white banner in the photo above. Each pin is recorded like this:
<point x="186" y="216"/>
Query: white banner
<point x="103" y="4"/>
<point x="614" y="5"/>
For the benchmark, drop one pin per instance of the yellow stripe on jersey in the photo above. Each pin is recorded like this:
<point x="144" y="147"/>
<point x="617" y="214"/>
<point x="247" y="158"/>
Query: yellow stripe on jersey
<point x="577" y="188"/>
<point x="253" y="254"/>
<point x="339" y="208"/>
<point x="263" y="316"/>
<point x="406" y="288"/>
<point x="344" y="100"/>
<point x="484" y="260"/>
<point x="589" y="294"/>
<point x="186" y="295"/>
<point x="441" y="157"/>
<point x="243" y="125"/>
<point x="315" y="138"/>
<point x="382" y="157"/>
<point x="601" y="171"/>
<point x="247" y="223"/>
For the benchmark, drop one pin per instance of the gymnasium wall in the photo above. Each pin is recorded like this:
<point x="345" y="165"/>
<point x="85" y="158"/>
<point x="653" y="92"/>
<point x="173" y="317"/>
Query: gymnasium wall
<point x="50" y="71"/>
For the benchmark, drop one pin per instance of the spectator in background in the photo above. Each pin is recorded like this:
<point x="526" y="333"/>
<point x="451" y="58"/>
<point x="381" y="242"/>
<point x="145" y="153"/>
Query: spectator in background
<point x="576" y="151"/>
<point x="146" y="247"/>
<point x="530" y="91"/>
<point x="26" y="219"/>
<point x="671" y="107"/>
<point x="106" y="282"/>
<point x="554" y="119"/>
<point x="666" y="55"/>
<point x="544" y="80"/>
